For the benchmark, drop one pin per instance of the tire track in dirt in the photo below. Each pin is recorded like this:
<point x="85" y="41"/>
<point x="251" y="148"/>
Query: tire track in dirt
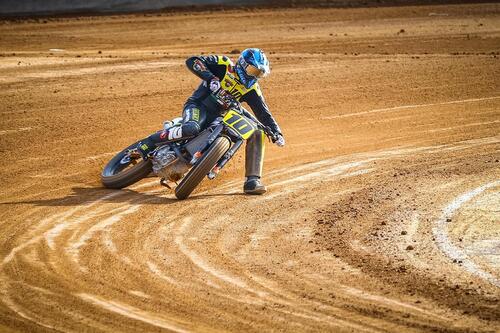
<point x="396" y="242"/>
<point x="220" y="254"/>
<point x="342" y="244"/>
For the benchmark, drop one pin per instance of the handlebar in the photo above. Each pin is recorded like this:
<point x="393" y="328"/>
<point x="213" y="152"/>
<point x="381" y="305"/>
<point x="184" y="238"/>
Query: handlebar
<point x="267" y="130"/>
<point x="229" y="102"/>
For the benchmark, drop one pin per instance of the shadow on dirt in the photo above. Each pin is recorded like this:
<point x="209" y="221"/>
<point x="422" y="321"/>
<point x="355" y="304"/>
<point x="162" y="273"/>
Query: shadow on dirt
<point x="87" y="195"/>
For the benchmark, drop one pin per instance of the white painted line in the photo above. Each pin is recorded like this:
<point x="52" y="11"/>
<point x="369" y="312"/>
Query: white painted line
<point x="402" y="107"/>
<point x="444" y="243"/>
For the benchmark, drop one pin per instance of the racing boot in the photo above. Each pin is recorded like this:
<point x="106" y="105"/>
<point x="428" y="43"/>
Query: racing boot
<point x="254" y="186"/>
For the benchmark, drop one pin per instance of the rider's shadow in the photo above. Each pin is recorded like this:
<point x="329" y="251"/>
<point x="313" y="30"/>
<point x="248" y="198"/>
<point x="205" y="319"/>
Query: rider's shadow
<point x="88" y="195"/>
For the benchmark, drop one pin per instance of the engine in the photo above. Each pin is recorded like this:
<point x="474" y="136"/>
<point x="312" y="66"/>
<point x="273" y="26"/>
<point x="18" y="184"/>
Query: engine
<point x="167" y="165"/>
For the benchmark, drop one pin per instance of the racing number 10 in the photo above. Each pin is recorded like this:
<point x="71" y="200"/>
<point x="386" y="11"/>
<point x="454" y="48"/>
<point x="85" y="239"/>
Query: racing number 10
<point x="239" y="124"/>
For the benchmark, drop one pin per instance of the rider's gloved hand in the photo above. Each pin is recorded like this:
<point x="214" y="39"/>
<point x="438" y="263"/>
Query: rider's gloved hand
<point x="214" y="84"/>
<point x="279" y="140"/>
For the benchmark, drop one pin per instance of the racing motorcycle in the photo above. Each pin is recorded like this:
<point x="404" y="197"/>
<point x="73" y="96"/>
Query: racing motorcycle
<point x="182" y="165"/>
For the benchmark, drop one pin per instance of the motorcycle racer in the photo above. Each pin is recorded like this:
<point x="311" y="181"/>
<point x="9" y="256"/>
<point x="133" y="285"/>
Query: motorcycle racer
<point x="222" y="79"/>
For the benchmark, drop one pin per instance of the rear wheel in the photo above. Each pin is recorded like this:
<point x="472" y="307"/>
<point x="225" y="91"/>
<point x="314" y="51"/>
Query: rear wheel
<point x="125" y="169"/>
<point x="202" y="168"/>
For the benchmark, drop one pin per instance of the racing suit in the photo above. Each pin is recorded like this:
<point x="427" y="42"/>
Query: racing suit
<point x="200" y="109"/>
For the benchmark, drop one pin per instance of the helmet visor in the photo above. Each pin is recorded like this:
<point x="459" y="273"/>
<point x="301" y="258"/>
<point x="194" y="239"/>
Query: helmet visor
<point x="254" y="71"/>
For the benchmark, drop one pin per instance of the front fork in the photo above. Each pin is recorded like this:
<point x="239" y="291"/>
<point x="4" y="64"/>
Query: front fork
<point x="227" y="156"/>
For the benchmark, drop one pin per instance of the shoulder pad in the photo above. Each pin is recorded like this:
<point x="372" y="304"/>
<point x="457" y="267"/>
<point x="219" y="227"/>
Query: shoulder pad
<point x="210" y="58"/>
<point x="223" y="60"/>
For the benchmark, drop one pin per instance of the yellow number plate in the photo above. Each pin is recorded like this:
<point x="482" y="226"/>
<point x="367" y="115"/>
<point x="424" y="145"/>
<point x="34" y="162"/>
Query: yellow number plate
<point x="239" y="123"/>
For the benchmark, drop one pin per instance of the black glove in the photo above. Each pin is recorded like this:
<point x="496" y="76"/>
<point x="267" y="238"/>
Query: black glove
<point x="225" y="99"/>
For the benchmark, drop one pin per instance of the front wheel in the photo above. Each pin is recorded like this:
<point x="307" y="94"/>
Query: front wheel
<point x="202" y="168"/>
<point x="125" y="169"/>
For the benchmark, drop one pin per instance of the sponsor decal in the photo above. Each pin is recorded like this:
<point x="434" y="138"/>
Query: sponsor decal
<point x="175" y="133"/>
<point x="163" y="135"/>
<point x="236" y="94"/>
<point x="199" y="66"/>
<point x="232" y="85"/>
<point x="242" y="62"/>
<point x="196" y="114"/>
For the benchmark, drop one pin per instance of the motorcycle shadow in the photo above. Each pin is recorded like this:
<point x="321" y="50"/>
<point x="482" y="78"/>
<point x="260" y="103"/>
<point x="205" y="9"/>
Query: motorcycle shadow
<point x="81" y="196"/>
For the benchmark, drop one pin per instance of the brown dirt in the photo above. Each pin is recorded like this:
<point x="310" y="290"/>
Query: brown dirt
<point x="382" y="210"/>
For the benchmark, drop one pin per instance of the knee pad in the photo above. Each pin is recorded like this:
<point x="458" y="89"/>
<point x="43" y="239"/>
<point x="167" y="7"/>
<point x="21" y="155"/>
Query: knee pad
<point x="190" y="129"/>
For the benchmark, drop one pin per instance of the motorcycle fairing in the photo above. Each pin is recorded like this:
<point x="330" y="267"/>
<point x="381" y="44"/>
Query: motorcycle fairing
<point x="240" y="124"/>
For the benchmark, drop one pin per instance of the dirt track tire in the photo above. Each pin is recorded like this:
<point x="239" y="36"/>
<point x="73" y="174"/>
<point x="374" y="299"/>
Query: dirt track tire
<point x="198" y="172"/>
<point x="116" y="180"/>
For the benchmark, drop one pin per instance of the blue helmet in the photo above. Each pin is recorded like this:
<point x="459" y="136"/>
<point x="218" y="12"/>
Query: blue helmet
<point x="252" y="65"/>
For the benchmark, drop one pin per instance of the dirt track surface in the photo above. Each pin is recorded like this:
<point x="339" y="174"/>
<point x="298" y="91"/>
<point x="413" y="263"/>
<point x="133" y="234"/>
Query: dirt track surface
<point x="383" y="209"/>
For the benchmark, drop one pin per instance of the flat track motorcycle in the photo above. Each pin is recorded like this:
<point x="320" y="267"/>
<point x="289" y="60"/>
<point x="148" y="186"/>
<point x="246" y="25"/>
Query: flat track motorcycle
<point x="184" y="164"/>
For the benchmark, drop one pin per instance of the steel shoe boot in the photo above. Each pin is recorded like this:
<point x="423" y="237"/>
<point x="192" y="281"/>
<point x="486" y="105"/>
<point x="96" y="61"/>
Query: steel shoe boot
<point x="145" y="148"/>
<point x="254" y="186"/>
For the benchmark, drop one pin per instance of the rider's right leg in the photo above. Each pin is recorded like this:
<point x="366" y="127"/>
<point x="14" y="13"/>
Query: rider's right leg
<point x="254" y="159"/>
<point x="194" y="119"/>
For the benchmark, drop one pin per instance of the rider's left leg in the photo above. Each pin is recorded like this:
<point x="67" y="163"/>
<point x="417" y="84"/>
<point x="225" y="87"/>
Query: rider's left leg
<point x="194" y="119"/>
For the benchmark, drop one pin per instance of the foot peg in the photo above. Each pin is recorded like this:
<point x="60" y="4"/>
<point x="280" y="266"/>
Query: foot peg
<point x="213" y="173"/>
<point x="196" y="157"/>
